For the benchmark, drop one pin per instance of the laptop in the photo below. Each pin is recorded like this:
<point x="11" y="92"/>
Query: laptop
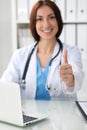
<point x="11" y="108"/>
<point x="82" y="105"/>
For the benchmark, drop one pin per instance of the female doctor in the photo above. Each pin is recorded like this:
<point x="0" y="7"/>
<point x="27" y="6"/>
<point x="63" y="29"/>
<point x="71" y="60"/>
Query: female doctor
<point x="48" y="68"/>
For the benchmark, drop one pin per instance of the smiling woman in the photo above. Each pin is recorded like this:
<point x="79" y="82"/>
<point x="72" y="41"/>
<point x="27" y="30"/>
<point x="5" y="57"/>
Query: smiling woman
<point x="49" y="68"/>
<point x="55" y="12"/>
<point x="46" y="24"/>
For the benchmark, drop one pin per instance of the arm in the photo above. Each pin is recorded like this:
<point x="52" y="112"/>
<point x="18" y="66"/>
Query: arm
<point x="71" y="72"/>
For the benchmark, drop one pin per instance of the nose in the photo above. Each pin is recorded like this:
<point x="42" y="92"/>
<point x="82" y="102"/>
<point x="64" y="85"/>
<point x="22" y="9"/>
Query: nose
<point x="46" y="23"/>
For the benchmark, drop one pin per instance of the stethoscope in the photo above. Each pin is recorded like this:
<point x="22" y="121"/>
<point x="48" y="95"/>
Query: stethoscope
<point x="23" y="82"/>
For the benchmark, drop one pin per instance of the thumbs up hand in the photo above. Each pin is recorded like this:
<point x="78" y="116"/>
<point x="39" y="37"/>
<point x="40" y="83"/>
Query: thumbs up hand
<point x="65" y="60"/>
<point x="66" y="73"/>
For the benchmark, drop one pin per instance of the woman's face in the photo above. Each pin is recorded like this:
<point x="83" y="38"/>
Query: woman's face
<point x="46" y="23"/>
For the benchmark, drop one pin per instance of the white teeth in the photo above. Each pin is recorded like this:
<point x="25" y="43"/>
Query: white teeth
<point x="47" y="30"/>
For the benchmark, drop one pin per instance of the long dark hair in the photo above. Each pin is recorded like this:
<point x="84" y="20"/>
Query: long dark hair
<point x="33" y="14"/>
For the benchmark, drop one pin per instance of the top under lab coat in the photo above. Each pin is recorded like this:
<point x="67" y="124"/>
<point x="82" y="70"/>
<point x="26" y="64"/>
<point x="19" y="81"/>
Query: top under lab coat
<point x="57" y="87"/>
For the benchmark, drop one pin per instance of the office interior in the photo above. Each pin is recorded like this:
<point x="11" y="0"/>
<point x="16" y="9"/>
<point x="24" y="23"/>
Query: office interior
<point x="15" y="33"/>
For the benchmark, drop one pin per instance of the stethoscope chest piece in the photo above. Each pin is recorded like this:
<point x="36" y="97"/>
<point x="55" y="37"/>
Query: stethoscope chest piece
<point x="22" y="84"/>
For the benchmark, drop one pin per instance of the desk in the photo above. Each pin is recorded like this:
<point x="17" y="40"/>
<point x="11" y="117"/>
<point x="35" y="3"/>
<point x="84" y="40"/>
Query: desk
<point x="62" y="115"/>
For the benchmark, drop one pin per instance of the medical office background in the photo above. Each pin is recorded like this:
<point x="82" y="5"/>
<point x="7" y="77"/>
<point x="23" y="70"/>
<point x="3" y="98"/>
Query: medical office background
<point x="15" y="33"/>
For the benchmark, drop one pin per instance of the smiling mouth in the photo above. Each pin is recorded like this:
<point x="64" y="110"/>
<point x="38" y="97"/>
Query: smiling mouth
<point x="47" y="30"/>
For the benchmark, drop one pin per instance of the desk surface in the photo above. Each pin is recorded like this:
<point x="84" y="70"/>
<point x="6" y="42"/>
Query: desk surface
<point x="62" y="115"/>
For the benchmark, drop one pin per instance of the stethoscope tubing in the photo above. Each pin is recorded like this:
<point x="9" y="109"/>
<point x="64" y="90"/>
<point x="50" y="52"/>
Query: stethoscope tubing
<point x="29" y="58"/>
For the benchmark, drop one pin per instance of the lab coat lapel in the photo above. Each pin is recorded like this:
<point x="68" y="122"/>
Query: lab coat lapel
<point x="54" y="68"/>
<point x="31" y="77"/>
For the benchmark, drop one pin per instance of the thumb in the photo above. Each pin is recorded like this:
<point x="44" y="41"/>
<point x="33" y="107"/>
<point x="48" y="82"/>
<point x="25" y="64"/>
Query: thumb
<point x="65" y="54"/>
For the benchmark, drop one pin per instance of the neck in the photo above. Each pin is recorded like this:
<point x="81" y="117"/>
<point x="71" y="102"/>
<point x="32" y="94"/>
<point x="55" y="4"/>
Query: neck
<point x="46" y="46"/>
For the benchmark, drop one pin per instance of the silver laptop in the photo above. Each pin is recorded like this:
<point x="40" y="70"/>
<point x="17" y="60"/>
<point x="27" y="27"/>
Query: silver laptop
<point x="11" y="108"/>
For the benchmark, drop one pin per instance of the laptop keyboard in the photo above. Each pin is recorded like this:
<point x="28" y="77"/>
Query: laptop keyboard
<point x="28" y="118"/>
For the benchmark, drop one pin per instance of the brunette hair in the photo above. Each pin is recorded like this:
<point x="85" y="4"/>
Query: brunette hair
<point x="33" y="14"/>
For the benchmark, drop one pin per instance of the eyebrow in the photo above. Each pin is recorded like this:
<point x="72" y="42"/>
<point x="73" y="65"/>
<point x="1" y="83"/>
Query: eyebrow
<point x="48" y="15"/>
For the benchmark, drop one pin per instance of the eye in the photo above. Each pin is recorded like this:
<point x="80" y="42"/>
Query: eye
<point x="38" y="19"/>
<point x="52" y="17"/>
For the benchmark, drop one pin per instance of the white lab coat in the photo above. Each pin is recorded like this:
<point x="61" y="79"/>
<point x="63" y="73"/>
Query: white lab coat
<point x="58" y="88"/>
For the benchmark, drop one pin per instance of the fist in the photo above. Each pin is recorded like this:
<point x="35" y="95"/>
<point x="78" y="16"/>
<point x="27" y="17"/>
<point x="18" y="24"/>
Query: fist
<point x="66" y="73"/>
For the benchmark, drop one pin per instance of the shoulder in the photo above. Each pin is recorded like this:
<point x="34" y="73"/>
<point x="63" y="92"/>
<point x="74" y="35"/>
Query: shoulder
<point x="20" y="55"/>
<point x="71" y="49"/>
<point x="74" y="54"/>
<point x="23" y="52"/>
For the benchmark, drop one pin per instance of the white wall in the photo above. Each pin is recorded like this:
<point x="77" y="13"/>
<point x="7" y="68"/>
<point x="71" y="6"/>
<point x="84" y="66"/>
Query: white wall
<point x="5" y="34"/>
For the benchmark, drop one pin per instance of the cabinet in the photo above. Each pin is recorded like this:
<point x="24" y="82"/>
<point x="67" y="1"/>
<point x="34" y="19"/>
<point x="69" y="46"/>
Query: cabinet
<point x="74" y="13"/>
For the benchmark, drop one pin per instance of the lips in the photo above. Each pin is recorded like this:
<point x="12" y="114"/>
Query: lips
<point x="47" y="30"/>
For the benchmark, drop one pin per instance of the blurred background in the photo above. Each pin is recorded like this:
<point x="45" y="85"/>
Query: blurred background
<point x="15" y="33"/>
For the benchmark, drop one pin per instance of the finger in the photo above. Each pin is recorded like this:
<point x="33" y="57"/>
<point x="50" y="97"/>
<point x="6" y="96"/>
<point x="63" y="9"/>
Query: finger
<point x="65" y="61"/>
<point x="65" y="70"/>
